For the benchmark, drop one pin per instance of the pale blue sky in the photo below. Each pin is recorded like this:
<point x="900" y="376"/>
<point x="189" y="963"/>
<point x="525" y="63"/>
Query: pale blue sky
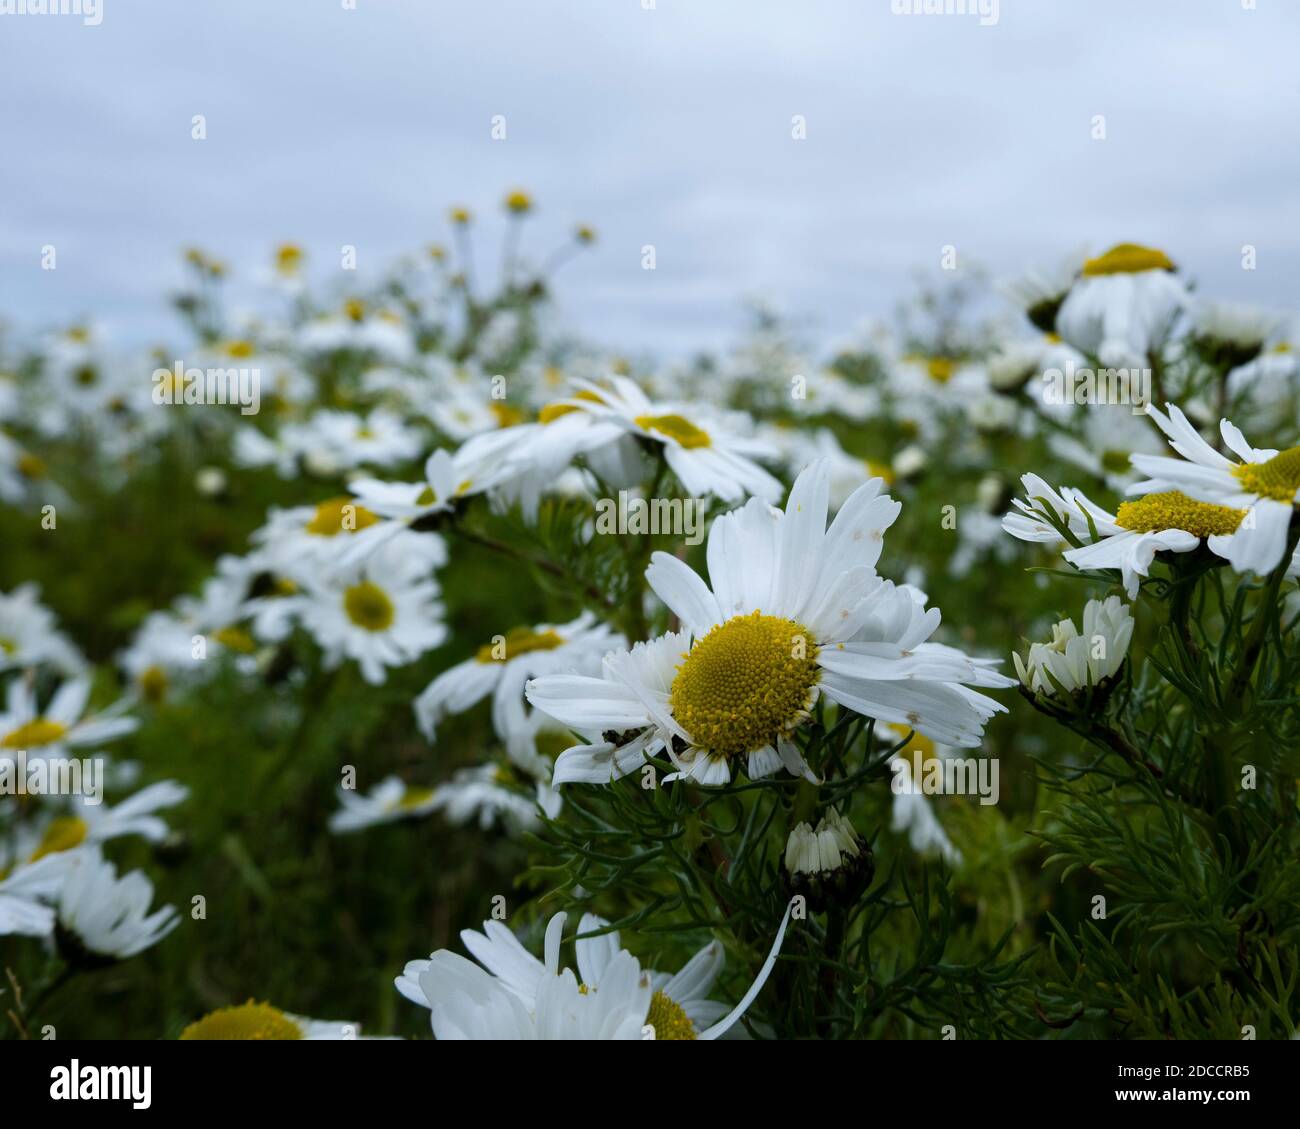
<point x="669" y="126"/>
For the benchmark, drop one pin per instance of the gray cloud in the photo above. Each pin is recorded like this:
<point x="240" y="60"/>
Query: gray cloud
<point x="669" y="126"/>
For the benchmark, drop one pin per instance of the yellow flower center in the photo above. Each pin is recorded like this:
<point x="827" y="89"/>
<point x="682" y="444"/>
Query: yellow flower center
<point x="63" y="833"/>
<point x="236" y="639"/>
<point x="668" y="1019"/>
<point x="339" y="515"/>
<point x="288" y="257"/>
<point x="519" y="641"/>
<point x="413" y="798"/>
<point x="1157" y="512"/>
<point x="8" y="646"/>
<point x="245" y="1021"/>
<point x="746" y="683"/>
<point x="239" y="349"/>
<point x="37" y="732"/>
<point x="880" y="470"/>
<point x="506" y="414"/>
<point x="368" y="606"/>
<point x="1279" y="478"/>
<point x="153" y="684"/>
<point x="940" y="369"/>
<point x="30" y="466"/>
<point x="676" y="427"/>
<point x="354" y="309"/>
<point x="519" y="202"/>
<point x="552" y="412"/>
<point x="1128" y="258"/>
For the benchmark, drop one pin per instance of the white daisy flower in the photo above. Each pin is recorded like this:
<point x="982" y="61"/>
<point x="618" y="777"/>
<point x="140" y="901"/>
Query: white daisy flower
<point x="382" y="613"/>
<point x="347" y="439"/>
<point x="29" y="634"/>
<point x="514" y="995"/>
<point x="467" y="1002"/>
<point x="300" y="542"/>
<point x="1074" y="661"/>
<point x="707" y="457"/>
<point x="445" y="483"/>
<point x="524" y="461"/>
<point x="109" y="917"/>
<point x="483" y="794"/>
<point x="1265" y="483"/>
<point x="93" y="823"/>
<point x="501" y="666"/>
<point x="795" y="611"/>
<point x="1123" y="306"/>
<point x="1128" y="539"/>
<point x="387" y="802"/>
<point x="27" y="894"/>
<point x="60" y="725"/>
<point x="378" y="334"/>
<point x="264" y="1023"/>
<point x="913" y="814"/>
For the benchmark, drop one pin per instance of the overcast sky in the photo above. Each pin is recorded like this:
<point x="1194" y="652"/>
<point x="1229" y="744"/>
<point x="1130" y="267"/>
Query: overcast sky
<point x="670" y="126"/>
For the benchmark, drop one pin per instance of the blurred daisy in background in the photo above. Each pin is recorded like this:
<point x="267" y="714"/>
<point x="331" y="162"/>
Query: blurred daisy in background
<point x="107" y="918"/>
<point x="503" y="665"/>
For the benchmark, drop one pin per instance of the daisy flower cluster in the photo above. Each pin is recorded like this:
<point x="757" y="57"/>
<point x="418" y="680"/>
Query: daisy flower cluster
<point x="458" y="630"/>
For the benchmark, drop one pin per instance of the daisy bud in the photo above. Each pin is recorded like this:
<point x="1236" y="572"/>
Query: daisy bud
<point x="1075" y="662"/>
<point x="211" y="481"/>
<point x="910" y="461"/>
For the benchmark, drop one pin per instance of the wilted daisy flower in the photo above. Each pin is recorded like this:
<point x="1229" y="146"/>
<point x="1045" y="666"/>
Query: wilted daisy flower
<point x="61" y="724"/>
<point x="829" y="863"/>
<point x="501" y="666"/>
<point x="387" y="802"/>
<point x="1074" y="661"/>
<point x="706" y="456"/>
<point x="1123" y="306"/>
<point x="516" y="996"/>
<point x="1128" y="539"/>
<point x="382" y="613"/>
<point x="29" y="634"/>
<point x="1265" y="484"/>
<point x="795" y="611"/>
<point x="262" y="1022"/>
<point x="107" y="917"/>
